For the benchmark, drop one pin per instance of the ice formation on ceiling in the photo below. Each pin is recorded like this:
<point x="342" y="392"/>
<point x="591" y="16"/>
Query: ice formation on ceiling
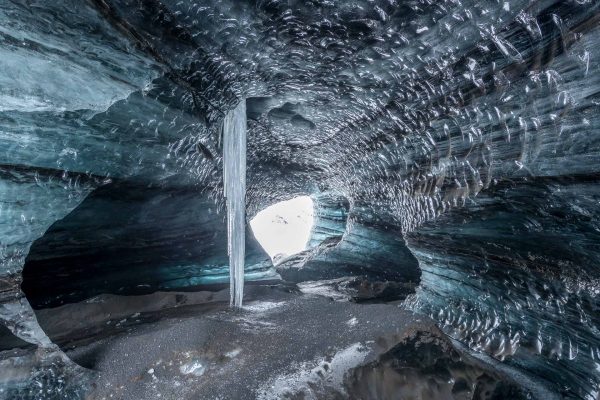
<point x="234" y="183"/>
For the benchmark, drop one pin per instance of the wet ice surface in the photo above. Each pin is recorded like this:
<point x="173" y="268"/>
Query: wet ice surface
<point x="287" y="344"/>
<point x="318" y="378"/>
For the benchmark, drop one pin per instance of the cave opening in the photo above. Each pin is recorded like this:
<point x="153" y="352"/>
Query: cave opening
<point x="284" y="229"/>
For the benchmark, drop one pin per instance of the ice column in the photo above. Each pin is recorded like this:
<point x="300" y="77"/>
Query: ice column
<point x="234" y="179"/>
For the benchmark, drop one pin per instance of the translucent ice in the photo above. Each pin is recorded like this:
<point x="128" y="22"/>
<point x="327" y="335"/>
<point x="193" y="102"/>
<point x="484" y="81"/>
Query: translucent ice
<point x="234" y="178"/>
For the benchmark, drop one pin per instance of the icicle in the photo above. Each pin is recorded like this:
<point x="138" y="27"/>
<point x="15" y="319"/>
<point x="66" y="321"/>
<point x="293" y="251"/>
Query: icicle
<point x="234" y="179"/>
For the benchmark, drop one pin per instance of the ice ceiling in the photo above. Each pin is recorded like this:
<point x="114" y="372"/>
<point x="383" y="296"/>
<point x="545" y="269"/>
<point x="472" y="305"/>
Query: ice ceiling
<point x="451" y="147"/>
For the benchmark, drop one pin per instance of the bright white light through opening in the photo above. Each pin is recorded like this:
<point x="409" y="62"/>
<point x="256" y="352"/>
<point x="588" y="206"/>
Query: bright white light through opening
<point x="283" y="229"/>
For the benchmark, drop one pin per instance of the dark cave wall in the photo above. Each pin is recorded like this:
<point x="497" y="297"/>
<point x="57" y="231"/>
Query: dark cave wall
<point x="135" y="238"/>
<point x="368" y="258"/>
<point x="378" y="253"/>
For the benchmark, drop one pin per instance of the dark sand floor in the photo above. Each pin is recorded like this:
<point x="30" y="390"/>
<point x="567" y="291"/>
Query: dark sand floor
<point x="282" y="344"/>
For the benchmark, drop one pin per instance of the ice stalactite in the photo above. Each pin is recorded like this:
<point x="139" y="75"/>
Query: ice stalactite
<point x="234" y="179"/>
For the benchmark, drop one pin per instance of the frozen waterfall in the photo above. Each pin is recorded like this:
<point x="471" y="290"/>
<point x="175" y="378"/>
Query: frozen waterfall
<point x="234" y="179"/>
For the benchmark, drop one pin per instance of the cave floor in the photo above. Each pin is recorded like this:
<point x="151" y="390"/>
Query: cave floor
<point x="285" y="343"/>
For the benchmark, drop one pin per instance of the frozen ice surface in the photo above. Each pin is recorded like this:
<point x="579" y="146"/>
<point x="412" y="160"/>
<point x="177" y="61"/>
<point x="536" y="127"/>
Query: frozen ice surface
<point x="234" y="180"/>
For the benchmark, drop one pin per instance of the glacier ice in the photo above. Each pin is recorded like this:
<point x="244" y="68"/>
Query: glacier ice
<point x="234" y="182"/>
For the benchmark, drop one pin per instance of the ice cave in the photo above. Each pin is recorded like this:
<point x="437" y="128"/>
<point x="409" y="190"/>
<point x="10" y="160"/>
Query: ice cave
<point x="300" y="199"/>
